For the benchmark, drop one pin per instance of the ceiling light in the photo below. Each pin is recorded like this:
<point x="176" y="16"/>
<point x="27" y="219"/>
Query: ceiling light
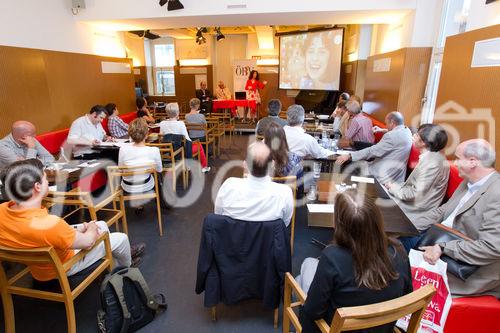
<point x="220" y="35"/>
<point x="145" y="33"/>
<point x="200" y="39"/>
<point x="172" y="4"/>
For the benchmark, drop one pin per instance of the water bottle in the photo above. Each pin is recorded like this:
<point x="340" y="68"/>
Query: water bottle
<point x="324" y="139"/>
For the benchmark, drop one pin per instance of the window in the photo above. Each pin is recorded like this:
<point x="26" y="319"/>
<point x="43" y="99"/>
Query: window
<point x="163" y="66"/>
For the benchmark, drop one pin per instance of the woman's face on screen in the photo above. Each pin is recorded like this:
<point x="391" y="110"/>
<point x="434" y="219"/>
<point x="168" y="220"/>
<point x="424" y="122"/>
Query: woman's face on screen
<point x="317" y="57"/>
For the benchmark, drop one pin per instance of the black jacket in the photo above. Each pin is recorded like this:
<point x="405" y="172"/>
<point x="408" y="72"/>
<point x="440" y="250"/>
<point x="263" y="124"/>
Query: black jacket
<point x="203" y="96"/>
<point x="241" y="260"/>
<point x="334" y="286"/>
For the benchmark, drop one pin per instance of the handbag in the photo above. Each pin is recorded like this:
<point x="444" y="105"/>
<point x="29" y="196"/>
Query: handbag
<point x="439" y="233"/>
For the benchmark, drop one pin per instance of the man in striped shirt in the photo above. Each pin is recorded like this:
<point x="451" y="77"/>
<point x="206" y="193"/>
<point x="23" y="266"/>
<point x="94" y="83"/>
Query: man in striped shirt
<point x="360" y="128"/>
<point x="116" y="126"/>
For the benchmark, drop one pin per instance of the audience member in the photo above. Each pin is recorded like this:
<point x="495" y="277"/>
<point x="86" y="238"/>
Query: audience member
<point x="20" y="144"/>
<point x="87" y="131"/>
<point x="388" y="157"/>
<point x="474" y="211"/>
<point x="139" y="154"/>
<point x="222" y="92"/>
<point x="274" y="108"/>
<point x="257" y="197"/>
<point x="344" y="97"/>
<point x="360" y="127"/>
<point x="204" y="95"/>
<point x="142" y="110"/>
<point x="116" y="126"/>
<point x="25" y="224"/>
<point x="174" y="126"/>
<point x="299" y="142"/>
<point x="195" y="117"/>
<point x="362" y="266"/>
<point x="426" y="186"/>
<point x="286" y="163"/>
<point x="341" y="121"/>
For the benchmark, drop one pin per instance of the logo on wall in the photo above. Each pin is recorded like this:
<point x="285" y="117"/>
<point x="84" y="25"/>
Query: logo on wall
<point x="241" y="71"/>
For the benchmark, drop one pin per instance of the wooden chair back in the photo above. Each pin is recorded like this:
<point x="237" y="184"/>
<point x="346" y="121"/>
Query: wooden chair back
<point x="359" y="317"/>
<point x="174" y="159"/>
<point x="47" y="256"/>
<point x="292" y="182"/>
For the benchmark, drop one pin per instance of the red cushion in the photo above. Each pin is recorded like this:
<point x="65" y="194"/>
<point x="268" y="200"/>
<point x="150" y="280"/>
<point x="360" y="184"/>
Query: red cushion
<point x="473" y="314"/>
<point x="413" y="158"/>
<point x="104" y="124"/>
<point x="92" y="182"/>
<point x="375" y="122"/>
<point x="53" y="141"/>
<point x="129" y="116"/>
<point x="454" y="180"/>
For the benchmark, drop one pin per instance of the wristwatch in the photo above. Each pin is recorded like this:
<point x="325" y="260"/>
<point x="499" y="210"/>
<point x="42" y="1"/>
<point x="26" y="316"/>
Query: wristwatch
<point x="442" y="245"/>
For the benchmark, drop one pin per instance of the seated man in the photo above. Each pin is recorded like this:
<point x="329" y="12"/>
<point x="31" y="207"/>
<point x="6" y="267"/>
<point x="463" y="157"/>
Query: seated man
<point x="341" y="118"/>
<point x="204" y="95"/>
<point x="389" y="156"/>
<point x="25" y="224"/>
<point x="299" y="142"/>
<point x="21" y="144"/>
<point x="222" y="92"/>
<point x="256" y="198"/>
<point x="360" y="127"/>
<point x="274" y="108"/>
<point x="473" y="210"/>
<point x="87" y="131"/>
<point x="116" y="126"/>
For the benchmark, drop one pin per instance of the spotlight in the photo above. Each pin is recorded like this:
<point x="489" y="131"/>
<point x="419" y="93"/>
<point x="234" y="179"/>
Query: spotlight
<point x="200" y="39"/>
<point x="220" y="36"/>
<point x="172" y="4"/>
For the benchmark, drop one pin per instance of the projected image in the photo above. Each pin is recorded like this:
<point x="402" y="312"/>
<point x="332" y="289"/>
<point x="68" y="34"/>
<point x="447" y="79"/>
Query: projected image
<point x="311" y="60"/>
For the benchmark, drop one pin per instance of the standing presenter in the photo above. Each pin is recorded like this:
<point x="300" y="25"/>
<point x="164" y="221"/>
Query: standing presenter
<point x="252" y="88"/>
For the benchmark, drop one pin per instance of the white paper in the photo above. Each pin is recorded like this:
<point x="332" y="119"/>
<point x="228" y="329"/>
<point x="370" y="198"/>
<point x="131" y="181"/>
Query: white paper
<point x="343" y="152"/>
<point x="71" y="170"/>
<point x="107" y="144"/>
<point x="362" y="179"/>
<point x="87" y="165"/>
<point x="320" y="208"/>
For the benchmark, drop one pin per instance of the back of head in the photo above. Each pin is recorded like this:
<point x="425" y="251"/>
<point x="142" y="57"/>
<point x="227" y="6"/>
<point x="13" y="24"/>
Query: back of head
<point x="434" y="136"/>
<point x="353" y="107"/>
<point x="344" y="97"/>
<point x="355" y="98"/>
<point x="396" y="117"/>
<point x="139" y="102"/>
<point x="98" y="110"/>
<point x="19" y="179"/>
<point x="359" y="228"/>
<point x="110" y="108"/>
<point x="481" y="150"/>
<point x="172" y="110"/>
<point x="274" y="107"/>
<point x="138" y="130"/>
<point x="275" y="139"/>
<point x="258" y="159"/>
<point x="295" y="115"/>
<point x="194" y="103"/>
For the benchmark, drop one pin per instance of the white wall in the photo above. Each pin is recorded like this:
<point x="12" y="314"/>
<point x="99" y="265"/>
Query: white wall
<point x="233" y="47"/>
<point x="482" y="15"/>
<point x="50" y="25"/>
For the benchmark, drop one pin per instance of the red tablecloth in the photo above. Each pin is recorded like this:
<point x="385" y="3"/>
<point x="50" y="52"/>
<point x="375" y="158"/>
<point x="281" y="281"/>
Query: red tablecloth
<point x="232" y="104"/>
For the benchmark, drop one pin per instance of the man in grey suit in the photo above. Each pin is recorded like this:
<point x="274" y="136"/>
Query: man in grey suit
<point x="473" y="210"/>
<point x="390" y="155"/>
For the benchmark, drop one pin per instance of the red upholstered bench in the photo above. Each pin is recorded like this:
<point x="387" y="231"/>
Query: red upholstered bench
<point x="473" y="314"/>
<point x="375" y="122"/>
<point x="413" y="158"/>
<point x="453" y="181"/>
<point x="128" y="117"/>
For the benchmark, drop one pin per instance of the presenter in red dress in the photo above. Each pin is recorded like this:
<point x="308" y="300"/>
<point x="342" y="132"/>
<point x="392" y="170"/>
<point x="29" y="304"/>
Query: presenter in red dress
<point x="252" y="88"/>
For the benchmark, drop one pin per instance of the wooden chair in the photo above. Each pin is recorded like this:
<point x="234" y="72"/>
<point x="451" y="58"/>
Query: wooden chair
<point x="115" y="173"/>
<point x="292" y="182"/>
<point x="173" y="163"/>
<point x="47" y="256"/>
<point x="84" y="200"/>
<point x="218" y="131"/>
<point x="359" y="317"/>
<point x="209" y="138"/>
<point x="227" y="124"/>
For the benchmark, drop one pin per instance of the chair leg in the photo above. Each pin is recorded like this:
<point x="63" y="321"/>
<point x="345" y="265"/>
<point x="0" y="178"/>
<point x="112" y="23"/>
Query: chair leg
<point x="8" y="311"/>
<point x="158" y="209"/>
<point x="124" y="217"/>
<point x="174" y="180"/>
<point x="70" y="315"/>
<point x="214" y="313"/>
<point x="276" y="315"/>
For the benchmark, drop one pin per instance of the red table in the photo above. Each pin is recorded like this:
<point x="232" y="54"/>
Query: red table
<point x="232" y="104"/>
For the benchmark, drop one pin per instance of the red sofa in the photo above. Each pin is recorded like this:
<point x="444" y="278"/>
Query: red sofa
<point x="53" y="141"/>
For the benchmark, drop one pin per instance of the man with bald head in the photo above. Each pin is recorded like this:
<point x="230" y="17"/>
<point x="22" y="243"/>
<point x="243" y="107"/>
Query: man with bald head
<point x="474" y="211"/>
<point x="257" y="197"/>
<point x="21" y="144"/>
<point x="388" y="158"/>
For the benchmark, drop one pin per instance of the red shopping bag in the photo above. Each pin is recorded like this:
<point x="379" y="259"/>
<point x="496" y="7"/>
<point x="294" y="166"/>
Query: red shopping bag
<point x="424" y="273"/>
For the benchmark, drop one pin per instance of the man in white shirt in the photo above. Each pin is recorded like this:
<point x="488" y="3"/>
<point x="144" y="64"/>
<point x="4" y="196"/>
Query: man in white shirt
<point x="257" y="197"/>
<point x="388" y="157"/>
<point x="299" y="142"/>
<point x="87" y="131"/>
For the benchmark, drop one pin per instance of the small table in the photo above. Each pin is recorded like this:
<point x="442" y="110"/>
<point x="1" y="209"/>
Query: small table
<point x="232" y="104"/>
<point x="72" y="173"/>
<point x="395" y="220"/>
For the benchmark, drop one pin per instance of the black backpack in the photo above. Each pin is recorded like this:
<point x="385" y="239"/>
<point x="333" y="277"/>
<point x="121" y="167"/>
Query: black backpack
<point x="126" y="302"/>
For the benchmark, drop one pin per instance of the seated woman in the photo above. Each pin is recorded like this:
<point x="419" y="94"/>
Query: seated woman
<point x="139" y="154"/>
<point x="142" y="110"/>
<point x="426" y="186"/>
<point x="174" y="126"/>
<point x="362" y="266"/>
<point x="286" y="163"/>
<point x="195" y="117"/>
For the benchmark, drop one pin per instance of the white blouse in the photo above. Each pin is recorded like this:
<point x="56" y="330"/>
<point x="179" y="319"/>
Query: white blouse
<point x="131" y="155"/>
<point x="174" y="127"/>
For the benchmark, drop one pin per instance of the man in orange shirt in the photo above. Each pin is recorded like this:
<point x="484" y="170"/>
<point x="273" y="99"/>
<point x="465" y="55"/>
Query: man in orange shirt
<point x="25" y="224"/>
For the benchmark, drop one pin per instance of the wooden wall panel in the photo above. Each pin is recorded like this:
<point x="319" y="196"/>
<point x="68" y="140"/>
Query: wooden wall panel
<point x="463" y="88"/>
<point x="352" y="77"/>
<point x="272" y="91"/>
<point x="51" y="89"/>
